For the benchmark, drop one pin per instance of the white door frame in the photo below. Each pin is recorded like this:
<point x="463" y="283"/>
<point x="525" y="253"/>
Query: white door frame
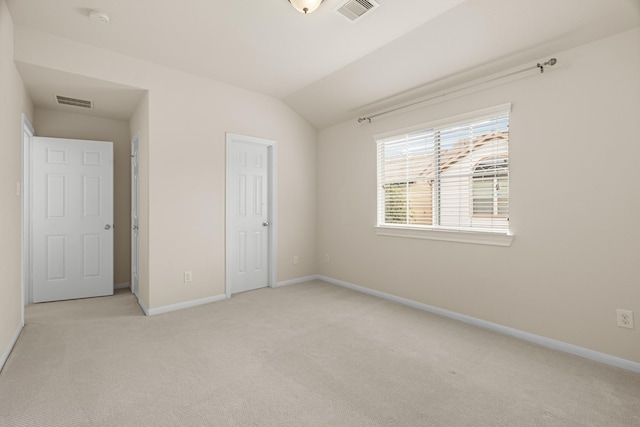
<point x="27" y="133"/>
<point x="272" y="200"/>
<point x="135" y="205"/>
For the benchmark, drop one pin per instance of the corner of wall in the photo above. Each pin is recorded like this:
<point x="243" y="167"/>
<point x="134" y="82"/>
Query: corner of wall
<point x="13" y="103"/>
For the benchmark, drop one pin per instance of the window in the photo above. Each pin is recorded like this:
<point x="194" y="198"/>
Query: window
<point x="450" y="176"/>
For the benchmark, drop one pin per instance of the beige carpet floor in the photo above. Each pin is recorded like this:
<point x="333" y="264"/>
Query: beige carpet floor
<point x="306" y="355"/>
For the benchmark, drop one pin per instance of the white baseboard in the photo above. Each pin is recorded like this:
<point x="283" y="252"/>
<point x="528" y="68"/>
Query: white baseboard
<point x="126" y="285"/>
<point x="180" y="305"/>
<point x="195" y="303"/>
<point x="12" y="343"/>
<point x="296" y="281"/>
<point x="516" y="333"/>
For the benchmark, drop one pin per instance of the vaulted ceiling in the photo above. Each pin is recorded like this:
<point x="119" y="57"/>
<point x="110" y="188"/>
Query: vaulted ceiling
<point x="326" y="68"/>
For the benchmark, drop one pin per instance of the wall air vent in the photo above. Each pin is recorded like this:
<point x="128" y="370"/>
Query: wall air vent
<point x="355" y="9"/>
<point x="64" y="100"/>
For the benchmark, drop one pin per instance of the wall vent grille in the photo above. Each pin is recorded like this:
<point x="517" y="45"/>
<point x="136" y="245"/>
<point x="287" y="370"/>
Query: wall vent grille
<point x="65" y="100"/>
<point x="356" y="9"/>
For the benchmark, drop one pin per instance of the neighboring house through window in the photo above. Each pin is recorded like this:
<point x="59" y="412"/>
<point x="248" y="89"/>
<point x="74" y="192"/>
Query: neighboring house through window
<point x="490" y="188"/>
<point x="453" y="175"/>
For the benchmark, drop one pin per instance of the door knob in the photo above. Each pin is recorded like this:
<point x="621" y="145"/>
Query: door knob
<point x="107" y="227"/>
<point x="265" y="224"/>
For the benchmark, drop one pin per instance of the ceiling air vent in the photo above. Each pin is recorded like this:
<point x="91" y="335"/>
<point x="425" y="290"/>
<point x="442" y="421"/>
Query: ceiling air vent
<point x="64" y="100"/>
<point x="354" y="9"/>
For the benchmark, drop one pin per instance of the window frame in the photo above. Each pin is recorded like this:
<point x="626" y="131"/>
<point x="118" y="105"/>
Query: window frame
<point x="443" y="233"/>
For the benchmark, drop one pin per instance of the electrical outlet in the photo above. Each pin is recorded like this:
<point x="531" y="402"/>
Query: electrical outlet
<point x="296" y="259"/>
<point x="327" y="258"/>
<point x="188" y="276"/>
<point x="625" y="318"/>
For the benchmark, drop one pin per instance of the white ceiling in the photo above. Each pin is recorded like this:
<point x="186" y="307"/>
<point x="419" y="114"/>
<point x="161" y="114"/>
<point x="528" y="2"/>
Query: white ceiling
<point x="324" y="67"/>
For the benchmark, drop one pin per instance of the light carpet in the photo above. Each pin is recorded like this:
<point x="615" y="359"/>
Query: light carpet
<point x="312" y="354"/>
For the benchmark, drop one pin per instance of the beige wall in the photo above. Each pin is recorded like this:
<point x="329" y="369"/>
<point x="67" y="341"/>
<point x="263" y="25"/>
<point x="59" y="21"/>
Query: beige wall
<point x="188" y="120"/>
<point x="575" y="183"/>
<point x="188" y="117"/>
<point x="13" y="102"/>
<point x="59" y="124"/>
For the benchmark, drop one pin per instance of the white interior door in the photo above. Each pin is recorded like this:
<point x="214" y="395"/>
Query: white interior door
<point x="72" y="219"/>
<point x="134" y="217"/>
<point x="248" y="210"/>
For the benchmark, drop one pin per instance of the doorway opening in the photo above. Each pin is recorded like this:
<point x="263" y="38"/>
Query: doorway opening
<point x="66" y="125"/>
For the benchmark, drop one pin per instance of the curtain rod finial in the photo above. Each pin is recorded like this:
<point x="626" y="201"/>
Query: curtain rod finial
<point x="551" y="62"/>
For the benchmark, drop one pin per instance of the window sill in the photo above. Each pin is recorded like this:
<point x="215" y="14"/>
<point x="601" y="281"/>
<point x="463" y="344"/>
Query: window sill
<point x="476" y="237"/>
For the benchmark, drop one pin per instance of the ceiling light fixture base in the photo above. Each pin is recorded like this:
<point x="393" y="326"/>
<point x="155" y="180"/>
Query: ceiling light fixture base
<point x="100" y="17"/>
<point x="305" y="6"/>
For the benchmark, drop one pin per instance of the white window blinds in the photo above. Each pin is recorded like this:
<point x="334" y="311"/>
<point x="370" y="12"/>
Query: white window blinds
<point x="453" y="176"/>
